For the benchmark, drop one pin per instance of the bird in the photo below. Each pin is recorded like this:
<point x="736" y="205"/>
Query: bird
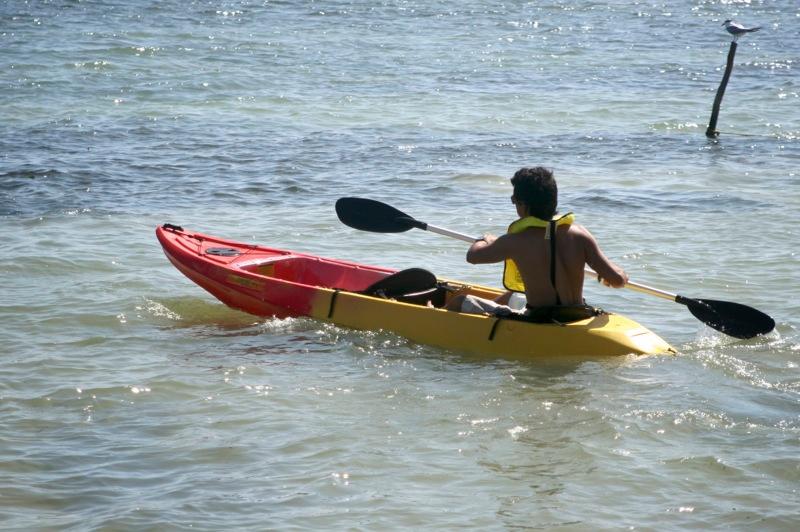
<point x="737" y="30"/>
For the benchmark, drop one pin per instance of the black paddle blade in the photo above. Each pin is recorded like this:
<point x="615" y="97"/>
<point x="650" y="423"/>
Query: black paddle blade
<point x="733" y="319"/>
<point x="371" y="215"/>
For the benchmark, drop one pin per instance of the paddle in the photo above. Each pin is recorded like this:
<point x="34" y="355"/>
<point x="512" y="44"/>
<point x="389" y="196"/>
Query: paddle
<point x="733" y="319"/>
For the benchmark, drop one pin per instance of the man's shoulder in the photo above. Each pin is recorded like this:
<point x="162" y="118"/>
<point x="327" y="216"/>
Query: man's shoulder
<point x="578" y="229"/>
<point x="580" y="233"/>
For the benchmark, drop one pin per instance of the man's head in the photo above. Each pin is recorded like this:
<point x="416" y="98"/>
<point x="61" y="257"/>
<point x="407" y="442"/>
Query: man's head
<point x="536" y="189"/>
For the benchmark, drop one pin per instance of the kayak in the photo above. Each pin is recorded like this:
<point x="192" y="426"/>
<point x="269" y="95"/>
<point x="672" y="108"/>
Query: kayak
<point x="278" y="283"/>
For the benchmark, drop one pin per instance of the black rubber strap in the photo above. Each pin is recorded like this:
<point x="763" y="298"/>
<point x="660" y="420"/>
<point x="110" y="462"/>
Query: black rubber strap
<point x="333" y="303"/>
<point x="494" y="328"/>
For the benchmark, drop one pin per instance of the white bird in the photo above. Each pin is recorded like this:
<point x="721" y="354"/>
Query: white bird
<point x="736" y="29"/>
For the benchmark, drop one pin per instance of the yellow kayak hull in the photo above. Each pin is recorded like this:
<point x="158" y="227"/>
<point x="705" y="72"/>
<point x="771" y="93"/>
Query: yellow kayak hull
<point x="600" y="336"/>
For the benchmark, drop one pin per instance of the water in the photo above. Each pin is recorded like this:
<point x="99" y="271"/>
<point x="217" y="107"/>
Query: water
<point x="130" y="399"/>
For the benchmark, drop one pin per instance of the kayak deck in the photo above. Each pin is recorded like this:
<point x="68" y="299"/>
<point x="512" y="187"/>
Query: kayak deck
<point x="272" y="282"/>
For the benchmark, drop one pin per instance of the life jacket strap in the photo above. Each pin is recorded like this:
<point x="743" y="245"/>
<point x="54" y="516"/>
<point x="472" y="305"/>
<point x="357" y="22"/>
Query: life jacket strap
<point x="550" y="233"/>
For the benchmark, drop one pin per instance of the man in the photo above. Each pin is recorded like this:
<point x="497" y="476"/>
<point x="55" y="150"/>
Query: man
<point x="544" y="254"/>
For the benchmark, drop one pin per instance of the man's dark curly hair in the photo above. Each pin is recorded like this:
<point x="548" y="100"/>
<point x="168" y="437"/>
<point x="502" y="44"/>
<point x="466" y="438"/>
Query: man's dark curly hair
<point x="537" y="189"/>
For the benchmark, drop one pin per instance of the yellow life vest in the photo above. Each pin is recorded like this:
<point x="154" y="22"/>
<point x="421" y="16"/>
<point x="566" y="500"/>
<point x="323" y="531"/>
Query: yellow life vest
<point x="512" y="279"/>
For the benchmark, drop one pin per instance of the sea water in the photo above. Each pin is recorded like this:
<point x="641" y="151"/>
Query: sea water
<point x="131" y="399"/>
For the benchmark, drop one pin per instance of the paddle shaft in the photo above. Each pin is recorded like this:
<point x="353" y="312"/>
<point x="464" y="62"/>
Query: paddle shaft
<point x="451" y="234"/>
<point x="630" y="284"/>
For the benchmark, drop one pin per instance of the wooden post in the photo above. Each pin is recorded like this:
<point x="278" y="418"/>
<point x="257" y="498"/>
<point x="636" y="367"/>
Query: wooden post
<point x="712" y="132"/>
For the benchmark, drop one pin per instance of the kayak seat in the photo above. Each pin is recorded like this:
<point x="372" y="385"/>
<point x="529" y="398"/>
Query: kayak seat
<point x="559" y="313"/>
<point x="414" y="285"/>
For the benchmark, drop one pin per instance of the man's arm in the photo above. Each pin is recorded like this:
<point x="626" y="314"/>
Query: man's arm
<point x="607" y="271"/>
<point x="489" y="249"/>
